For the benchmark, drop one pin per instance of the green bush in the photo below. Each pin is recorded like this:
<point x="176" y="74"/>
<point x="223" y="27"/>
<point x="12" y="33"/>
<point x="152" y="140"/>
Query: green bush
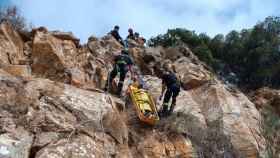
<point x="271" y="131"/>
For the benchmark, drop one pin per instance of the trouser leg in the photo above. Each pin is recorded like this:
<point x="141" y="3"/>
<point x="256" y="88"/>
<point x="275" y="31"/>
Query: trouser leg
<point x="120" y="84"/>
<point x="172" y="105"/>
<point x="166" y="99"/>
<point x="175" y="93"/>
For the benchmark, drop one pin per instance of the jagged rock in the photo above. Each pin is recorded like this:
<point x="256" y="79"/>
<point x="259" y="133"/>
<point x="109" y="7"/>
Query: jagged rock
<point x="211" y="107"/>
<point x="50" y="58"/>
<point x="80" y="146"/>
<point x="45" y="138"/>
<point x="11" y="45"/>
<point x="60" y="108"/>
<point x="192" y="72"/>
<point x="58" y="60"/>
<point x="234" y="115"/>
<point x="66" y="36"/>
<point x="15" y="145"/>
<point x="27" y="51"/>
<point x="267" y="97"/>
<point x="98" y="71"/>
<point x="104" y="48"/>
<point x="18" y="70"/>
<point x="175" y="53"/>
<point x="210" y="119"/>
<point x="12" y="94"/>
<point x="164" y="147"/>
<point x="147" y="59"/>
<point x="192" y="75"/>
<point x="66" y="107"/>
<point x="76" y="77"/>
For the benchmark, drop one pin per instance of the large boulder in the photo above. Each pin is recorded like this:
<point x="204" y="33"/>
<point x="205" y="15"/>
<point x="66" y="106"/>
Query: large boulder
<point x="104" y="48"/>
<point x="66" y="107"/>
<point x="192" y="74"/>
<point x="175" y="53"/>
<point x="18" y="70"/>
<point x="216" y="118"/>
<point x="58" y="59"/>
<point x="11" y="45"/>
<point x="147" y="59"/>
<point x="66" y="36"/>
<point x="56" y="112"/>
<point x="81" y="146"/>
<point x="52" y="56"/>
<point x="159" y="145"/>
<point x="16" y="144"/>
<point x="267" y="97"/>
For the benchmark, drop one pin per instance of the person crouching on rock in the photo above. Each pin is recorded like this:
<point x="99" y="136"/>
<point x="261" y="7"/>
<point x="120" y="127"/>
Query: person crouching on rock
<point x="116" y="35"/>
<point x="170" y="84"/>
<point x="123" y="64"/>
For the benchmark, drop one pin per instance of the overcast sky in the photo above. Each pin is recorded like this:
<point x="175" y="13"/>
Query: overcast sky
<point x="149" y="17"/>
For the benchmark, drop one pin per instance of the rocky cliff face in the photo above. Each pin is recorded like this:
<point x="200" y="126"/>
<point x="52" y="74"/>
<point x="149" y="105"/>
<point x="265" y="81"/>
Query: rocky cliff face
<point x="51" y="105"/>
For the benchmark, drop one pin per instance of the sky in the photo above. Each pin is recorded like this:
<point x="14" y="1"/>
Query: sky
<point x="148" y="17"/>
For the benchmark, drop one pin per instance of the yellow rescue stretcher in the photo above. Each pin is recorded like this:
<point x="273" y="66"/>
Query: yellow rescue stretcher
<point x="144" y="104"/>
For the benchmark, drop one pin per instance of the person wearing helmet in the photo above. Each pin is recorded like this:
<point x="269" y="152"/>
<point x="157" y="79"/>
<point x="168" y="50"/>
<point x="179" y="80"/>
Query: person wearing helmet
<point x="130" y="34"/>
<point x="122" y="64"/>
<point x="170" y="84"/>
<point x="139" y="39"/>
<point x="116" y="35"/>
<point x="136" y="35"/>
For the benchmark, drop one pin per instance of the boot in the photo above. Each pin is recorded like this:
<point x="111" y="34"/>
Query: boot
<point x="119" y="90"/>
<point x="171" y="109"/>
<point x="164" y="111"/>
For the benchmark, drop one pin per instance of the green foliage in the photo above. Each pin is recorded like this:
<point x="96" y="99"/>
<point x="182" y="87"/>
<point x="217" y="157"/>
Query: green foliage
<point x="271" y="128"/>
<point x="204" y="54"/>
<point x="253" y="54"/>
<point x="174" y="37"/>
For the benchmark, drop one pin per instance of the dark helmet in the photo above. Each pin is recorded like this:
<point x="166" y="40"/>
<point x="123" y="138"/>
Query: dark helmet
<point x="116" y="27"/>
<point x="130" y="30"/>
<point x="136" y="34"/>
